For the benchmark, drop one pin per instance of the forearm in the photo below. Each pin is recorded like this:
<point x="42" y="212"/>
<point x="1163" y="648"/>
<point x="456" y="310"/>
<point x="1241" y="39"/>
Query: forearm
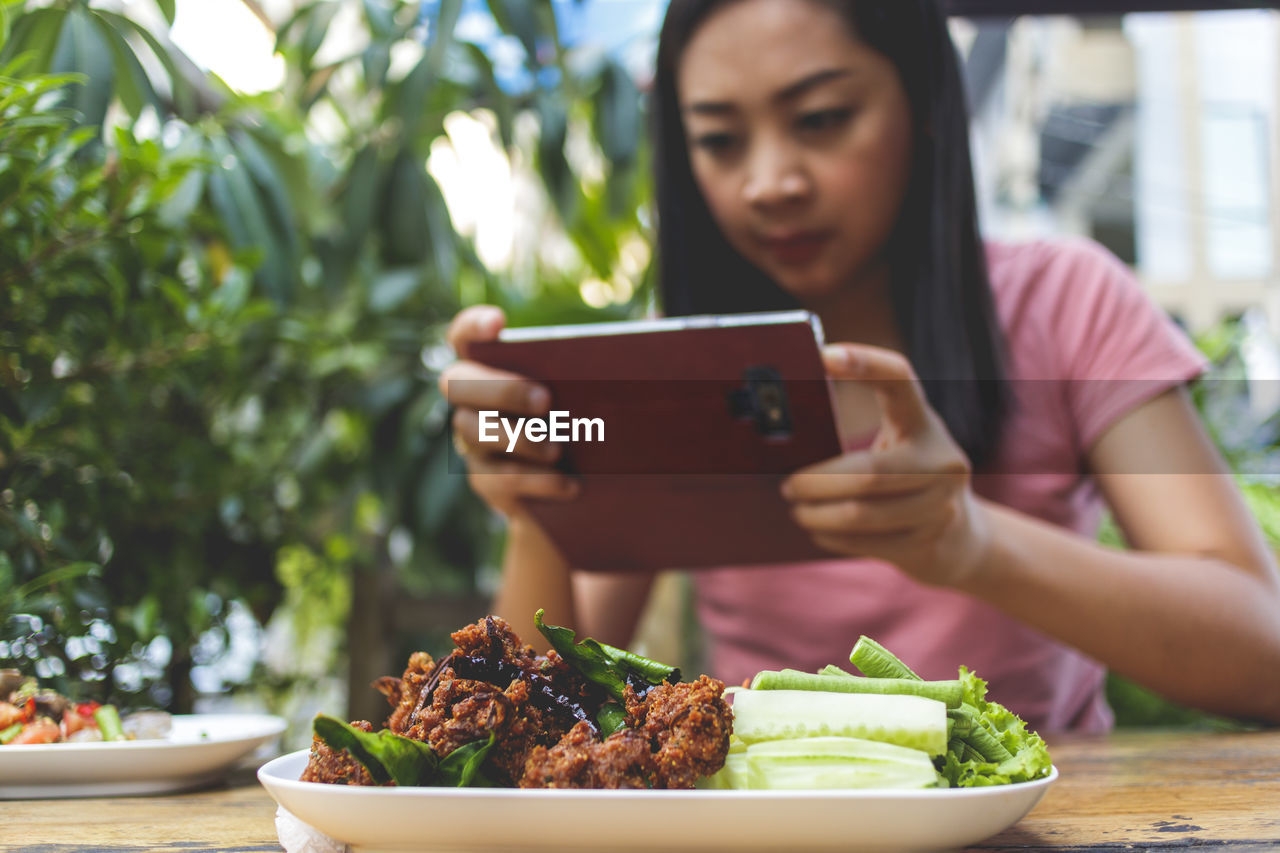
<point x="1195" y="629"/>
<point x="534" y="576"/>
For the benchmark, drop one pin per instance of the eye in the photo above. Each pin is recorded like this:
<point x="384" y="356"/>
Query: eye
<point x="716" y="142"/>
<point x="822" y="120"/>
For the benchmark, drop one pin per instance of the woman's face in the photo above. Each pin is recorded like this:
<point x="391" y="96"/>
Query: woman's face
<point x="800" y="141"/>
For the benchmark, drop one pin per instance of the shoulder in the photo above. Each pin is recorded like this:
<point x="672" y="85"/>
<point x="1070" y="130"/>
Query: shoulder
<point x="1070" y="309"/>
<point x="1069" y="275"/>
<point x="1073" y="312"/>
<point x="1053" y="298"/>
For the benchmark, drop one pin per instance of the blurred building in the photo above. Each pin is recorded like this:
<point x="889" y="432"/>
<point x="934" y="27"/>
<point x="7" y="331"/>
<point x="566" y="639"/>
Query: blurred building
<point x="1154" y="134"/>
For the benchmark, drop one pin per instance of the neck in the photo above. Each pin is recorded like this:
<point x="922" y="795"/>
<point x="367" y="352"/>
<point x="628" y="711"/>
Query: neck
<point x="861" y="313"/>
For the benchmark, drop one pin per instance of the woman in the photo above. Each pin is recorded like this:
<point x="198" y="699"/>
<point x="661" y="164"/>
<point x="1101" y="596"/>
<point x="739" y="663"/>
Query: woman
<point x="814" y="153"/>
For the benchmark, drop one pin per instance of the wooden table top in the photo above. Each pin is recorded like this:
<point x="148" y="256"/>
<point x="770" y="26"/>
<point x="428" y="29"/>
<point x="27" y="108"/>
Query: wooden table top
<point x="1135" y="790"/>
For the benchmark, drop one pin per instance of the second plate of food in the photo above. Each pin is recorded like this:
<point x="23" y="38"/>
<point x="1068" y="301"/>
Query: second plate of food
<point x="199" y="749"/>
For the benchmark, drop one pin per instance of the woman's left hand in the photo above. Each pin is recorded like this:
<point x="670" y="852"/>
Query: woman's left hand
<point x="907" y="498"/>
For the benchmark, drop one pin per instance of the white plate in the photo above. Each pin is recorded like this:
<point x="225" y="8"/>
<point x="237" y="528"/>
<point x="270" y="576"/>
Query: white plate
<point x="199" y="749"/>
<point x="488" y="819"/>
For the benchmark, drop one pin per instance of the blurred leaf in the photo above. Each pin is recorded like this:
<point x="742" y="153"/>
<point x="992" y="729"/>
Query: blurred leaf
<point x="390" y="289"/>
<point x="556" y="174"/>
<point x="439" y="487"/>
<point x="285" y="31"/>
<point x="442" y="33"/>
<point x="233" y="293"/>
<point x="39" y="399"/>
<point x="385" y="393"/>
<point x="404" y="225"/>
<point x="411" y="94"/>
<point x="184" y="99"/>
<point x="1263" y="500"/>
<point x="315" y="29"/>
<point x="132" y="84"/>
<point x="242" y="212"/>
<point x="1136" y="706"/>
<point x="36" y="31"/>
<point x="82" y="48"/>
<point x="617" y="115"/>
<point x="440" y="232"/>
<point x="422" y="422"/>
<point x="517" y="18"/>
<point x="144" y="616"/>
<point x="4" y="27"/>
<point x="185" y="197"/>
<point x="497" y="99"/>
<point x="355" y="202"/>
<point x="381" y="19"/>
<point x="376" y="61"/>
<point x="266" y="176"/>
<point x="622" y="189"/>
<point x="69" y="572"/>
<point x="227" y="204"/>
<point x="167" y="9"/>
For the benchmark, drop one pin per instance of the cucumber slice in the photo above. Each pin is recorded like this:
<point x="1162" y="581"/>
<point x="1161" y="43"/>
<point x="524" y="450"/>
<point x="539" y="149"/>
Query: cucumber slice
<point x="836" y="762"/>
<point x="910" y="721"/>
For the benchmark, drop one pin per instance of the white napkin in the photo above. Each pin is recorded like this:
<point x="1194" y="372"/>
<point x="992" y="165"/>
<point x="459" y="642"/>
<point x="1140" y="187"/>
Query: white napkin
<point x="298" y="837"/>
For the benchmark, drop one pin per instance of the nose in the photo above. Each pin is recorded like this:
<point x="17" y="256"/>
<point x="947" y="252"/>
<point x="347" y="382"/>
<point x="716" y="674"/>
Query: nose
<point x="775" y="175"/>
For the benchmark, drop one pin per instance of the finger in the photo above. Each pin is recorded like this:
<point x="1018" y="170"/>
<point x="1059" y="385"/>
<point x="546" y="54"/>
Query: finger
<point x="466" y="429"/>
<point x="895" y="471"/>
<point x="476" y="323"/>
<point x="894" y="514"/>
<point x="889" y="547"/>
<point x="501" y="480"/>
<point x="473" y="385"/>
<point x="899" y="548"/>
<point x="897" y="389"/>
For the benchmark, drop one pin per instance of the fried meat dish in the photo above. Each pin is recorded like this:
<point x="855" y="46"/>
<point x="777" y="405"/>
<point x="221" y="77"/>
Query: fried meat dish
<point x="674" y="735"/>
<point x="336" y="767"/>
<point x="543" y="714"/>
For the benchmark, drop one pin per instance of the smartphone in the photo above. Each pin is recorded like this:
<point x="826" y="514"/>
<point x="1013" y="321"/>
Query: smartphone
<point x="680" y="431"/>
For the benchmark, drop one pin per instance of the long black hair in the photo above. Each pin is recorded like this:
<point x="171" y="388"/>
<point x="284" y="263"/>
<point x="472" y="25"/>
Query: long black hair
<point x="940" y="291"/>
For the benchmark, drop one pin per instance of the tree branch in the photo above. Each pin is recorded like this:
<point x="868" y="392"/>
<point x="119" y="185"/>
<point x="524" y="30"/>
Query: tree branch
<point x="261" y="14"/>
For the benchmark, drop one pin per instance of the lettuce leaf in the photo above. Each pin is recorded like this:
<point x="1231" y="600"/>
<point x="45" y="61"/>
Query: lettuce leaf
<point x="999" y="749"/>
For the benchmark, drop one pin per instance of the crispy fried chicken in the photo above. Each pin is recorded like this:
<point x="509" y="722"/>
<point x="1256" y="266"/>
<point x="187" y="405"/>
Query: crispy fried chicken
<point x="336" y="767"/>
<point x="543" y="714"/>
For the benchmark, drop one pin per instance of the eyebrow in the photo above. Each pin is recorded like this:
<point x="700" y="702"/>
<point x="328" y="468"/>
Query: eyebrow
<point x="789" y="93"/>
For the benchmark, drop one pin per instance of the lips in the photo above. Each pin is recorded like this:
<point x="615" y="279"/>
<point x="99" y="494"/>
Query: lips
<point x="796" y="248"/>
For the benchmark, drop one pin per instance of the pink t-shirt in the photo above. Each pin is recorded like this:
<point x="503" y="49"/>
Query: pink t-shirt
<point x="1084" y="345"/>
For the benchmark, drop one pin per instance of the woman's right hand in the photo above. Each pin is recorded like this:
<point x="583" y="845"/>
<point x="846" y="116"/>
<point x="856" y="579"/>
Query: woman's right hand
<point x="501" y="478"/>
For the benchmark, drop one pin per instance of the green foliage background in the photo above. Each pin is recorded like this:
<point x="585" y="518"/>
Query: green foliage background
<point x="222" y="325"/>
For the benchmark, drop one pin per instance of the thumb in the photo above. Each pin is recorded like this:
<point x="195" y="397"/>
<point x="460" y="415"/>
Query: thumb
<point x="891" y="377"/>
<point x="476" y="323"/>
